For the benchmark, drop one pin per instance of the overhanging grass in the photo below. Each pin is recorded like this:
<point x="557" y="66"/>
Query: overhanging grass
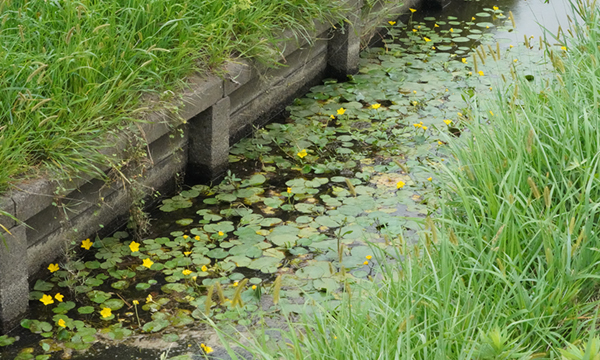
<point x="70" y="71"/>
<point x="514" y="272"/>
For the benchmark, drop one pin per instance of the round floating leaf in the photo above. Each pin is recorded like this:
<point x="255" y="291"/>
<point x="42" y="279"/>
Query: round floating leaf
<point x="460" y="39"/>
<point x="218" y="253"/>
<point x="42" y="285"/>
<point x="257" y="179"/>
<point x="482" y="14"/>
<point x="170" y="338"/>
<point x="142" y="286"/>
<point x="226" y="197"/>
<point x="114" y="304"/>
<point x="63" y="307"/>
<point x="185" y="222"/>
<point x="120" y="285"/>
<point x="86" y="310"/>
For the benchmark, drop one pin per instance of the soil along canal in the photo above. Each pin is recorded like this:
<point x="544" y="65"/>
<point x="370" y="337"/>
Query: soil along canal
<point x="308" y="205"/>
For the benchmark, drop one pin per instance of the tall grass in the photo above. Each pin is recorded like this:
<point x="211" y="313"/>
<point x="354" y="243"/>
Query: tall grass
<point x="70" y="71"/>
<point x="513" y="273"/>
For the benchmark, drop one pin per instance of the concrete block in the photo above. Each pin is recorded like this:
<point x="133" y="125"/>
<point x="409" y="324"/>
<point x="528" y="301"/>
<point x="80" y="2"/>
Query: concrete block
<point x="7" y="205"/>
<point x="202" y="94"/>
<point x="264" y="82"/>
<point x="14" y="287"/>
<point x="208" y="145"/>
<point x="168" y="144"/>
<point x="156" y="125"/>
<point x="344" y="47"/>
<point x="238" y="73"/>
<point x="168" y="169"/>
<point x="32" y="197"/>
<point x="274" y="100"/>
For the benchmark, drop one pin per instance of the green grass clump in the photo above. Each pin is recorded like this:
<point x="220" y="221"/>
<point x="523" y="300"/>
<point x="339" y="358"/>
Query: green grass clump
<point x="513" y="272"/>
<point x="71" y="71"/>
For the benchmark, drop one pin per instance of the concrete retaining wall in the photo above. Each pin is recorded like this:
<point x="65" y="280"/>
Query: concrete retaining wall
<point x="211" y="114"/>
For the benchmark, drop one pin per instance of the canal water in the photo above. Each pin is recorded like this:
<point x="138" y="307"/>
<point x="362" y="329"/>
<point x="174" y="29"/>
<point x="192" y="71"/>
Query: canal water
<point x="311" y="204"/>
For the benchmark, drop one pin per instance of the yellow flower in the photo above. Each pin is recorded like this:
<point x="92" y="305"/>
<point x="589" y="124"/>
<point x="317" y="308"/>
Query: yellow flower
<point x="426" y="39"/>
<point x="564" y="48"/>
<point x="400" y="184"/>
<point x="302" y="153"/>
<point x="253" y="287"/>
<point x="220" y="233"/>
<point x="515" y="60"/>
<point x="86" y="244"/>
<point x="341" y="111"/>
<point x="464" y="60"/>
<point x="424" y="127"/>
<point x="511" y="46"/>
<point x="61" y="323"/>
<point x="149" y="298"/>
<point x="375" y="106"/>
<point x="417" y="125"/>
<point x="197" y="237"/>
<point x="185" y="236"/>
<point x="106" y="312"/>
<point x="491" y="113"/>
<point x="135" y="302"/>
<point x="235" y="284"/>
<point x="186" y="253"/>
<point x="148" y="263"/>
<point x="415" y="103"/>
<point x="447" y="121"/>
<point x="495" y="7"/>
<point x="433" y="47"/>
<point x="451" y="30"/>
<point x="207" y="349"/>
<point x="366" y="263"/>
<point x="289" y="190"/>
<point x="440" y="143"/>
<point x="412" y="10"/>
<point x="472" y="18"/>
<point x="436" y="25"/>
<point x="59" y="297"/>
<point x="47" y="300"/>
<point x="429" y="178"/>
<point x="331" y="116"/>
<point x="414" y="30"/>
<point x="480" y="73"/>
<point x="490" y="88"/>
<point x="392" y="23"/>
<point x="204" y="268"/>
<point x="487" y="27"/>
<point x="414" y="91"/>
<point x="368" y="257"/>
<point x="470" y="73"/>
<point x="53" y="267"/>
<point x="134" y="247"/>
<point x="186" y="272"/>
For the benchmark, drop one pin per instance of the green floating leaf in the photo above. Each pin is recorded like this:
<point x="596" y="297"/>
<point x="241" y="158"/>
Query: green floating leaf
<point x="185" y="222"/>
<point x="113" y="304"/>
<point x="63" y="307"/>
<point x="257" y="179"/>
<point x="86" y="310"/>
<point x="6" y="340"/>
<point x="42" y="285"/>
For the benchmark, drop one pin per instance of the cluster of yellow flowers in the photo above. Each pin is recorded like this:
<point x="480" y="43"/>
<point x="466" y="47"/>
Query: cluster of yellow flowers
<point x="420" y="125"/>
<point x="47" y="299"/>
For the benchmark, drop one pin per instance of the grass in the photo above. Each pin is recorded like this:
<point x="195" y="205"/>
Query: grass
<point x="512" y="270"/>
<point x="72" y="71"/>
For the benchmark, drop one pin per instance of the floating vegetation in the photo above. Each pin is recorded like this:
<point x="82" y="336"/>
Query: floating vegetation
<point x="303" y="210"/>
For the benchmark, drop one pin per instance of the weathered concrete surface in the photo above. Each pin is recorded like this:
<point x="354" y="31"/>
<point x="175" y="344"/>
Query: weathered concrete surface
<point x="344" y="46"/>
<point x="14" y="288"/>
<point x="208" y="148"/>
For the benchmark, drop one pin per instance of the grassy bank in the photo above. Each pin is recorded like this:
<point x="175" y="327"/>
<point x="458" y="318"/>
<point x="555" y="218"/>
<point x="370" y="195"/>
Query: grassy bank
<point x="512" y="270"/>
<point x="74" y="70"/>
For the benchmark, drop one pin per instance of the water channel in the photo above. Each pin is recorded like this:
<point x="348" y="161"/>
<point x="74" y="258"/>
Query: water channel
<point x="311" y="203"/>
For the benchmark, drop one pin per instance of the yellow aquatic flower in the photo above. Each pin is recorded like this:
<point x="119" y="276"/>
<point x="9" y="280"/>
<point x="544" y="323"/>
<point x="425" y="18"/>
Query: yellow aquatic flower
<point x="86" y="244"/>
<point x="459" y="114"/>
<point x="429" y="178"/>
<point x="220" y="233"/>
<point x="368" y="257"/>
<point x="472" y="18"/>
<point x="435" y="25"/>
<point x="197" y="237"/>
<point x="61" y="323"/>
<point x="302" y="153"/>
<point x="564" y="48"/>
<point x="392" y="23"/>
<point x="447" y="121"/>
<point x="451" y="30"/>
<point x="134" y="247"/>
<point x="47" y="300"/>
<point x="440" y="143"/>
<point x="331" y="116"/>
<point x="433" y="47"/>
<point x="375" y="106"/>
<point x="185" y="236"/>
<point x="480" y="73"/>
<point x="207" y="349"/>
<point x="149" y="298"/>
<point x="400" y="184"/>
<point x="253" y="287"/>
<point x="341" y="111"/>
<point x="414" y="30"/>
<point x="53" y="267"/>
<point x="487" y="27"/>
<point x="414" y="91"/>
<point x="204" y="268"/>
<point x="186" y="253"/>
<point x="59" y="297"/>
<point x="235" y="284"/>
<point x="495" y="7"/>
<point x="186" y="272"/>
<point x="135" y="302"/>
<point x="424" y="127"/>
<point x="464" y="60"/>
<point x="511" y="46"/>
<point x="289" y="190"/>
<point x="366" y="263"/>
<point x="515" y="60"/>
<point x="147" y="263"/>
<point x="412" y="10"/>
<point x="491" y="113"/>
<point x="106" y="312"/>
